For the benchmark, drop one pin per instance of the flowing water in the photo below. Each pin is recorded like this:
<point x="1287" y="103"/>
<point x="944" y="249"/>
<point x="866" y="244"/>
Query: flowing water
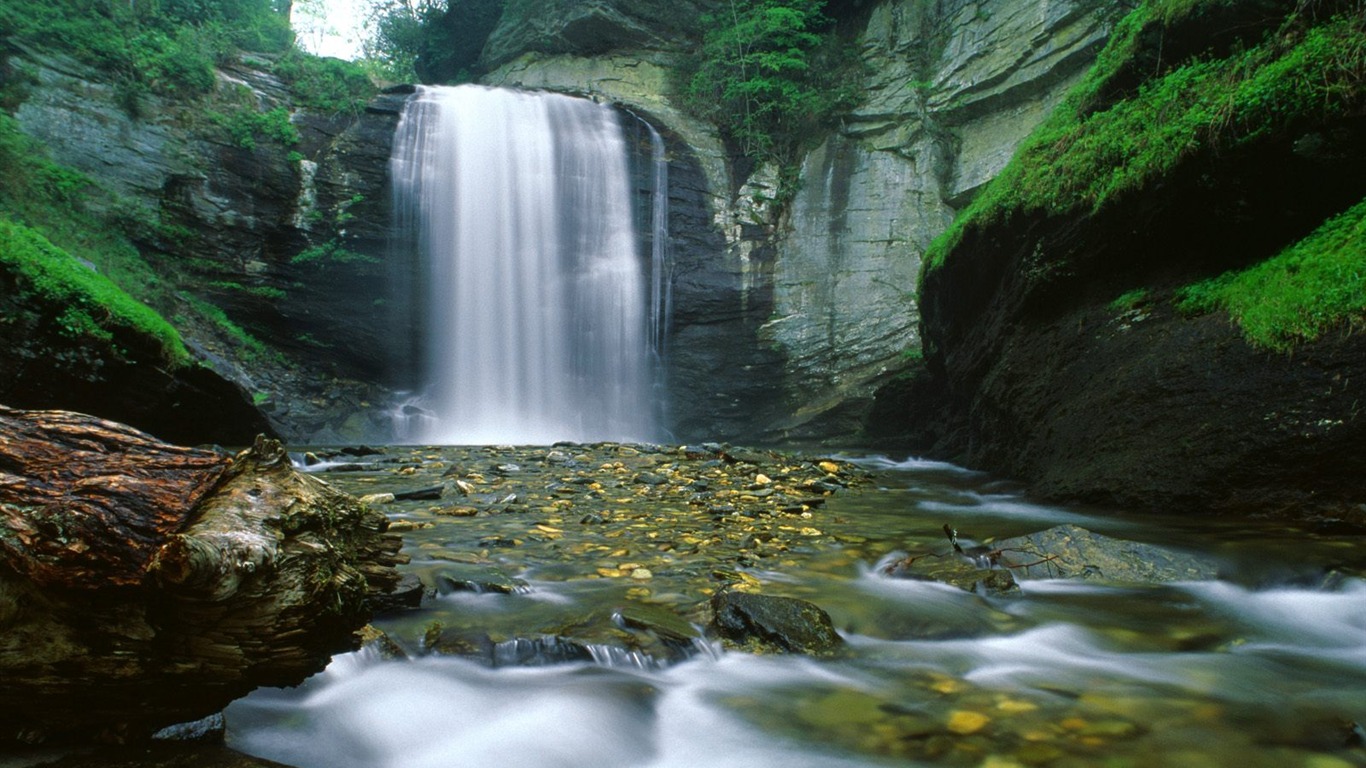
<point x="1264" y="667"/>
<point x="536" y="293"/>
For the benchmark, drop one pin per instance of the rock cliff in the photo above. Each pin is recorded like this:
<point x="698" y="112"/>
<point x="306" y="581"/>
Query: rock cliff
<point x="232" y="220"/>
<point x="789" y="317"/>
<point x="1067" y="340"/>
<point x="952" y="88"/>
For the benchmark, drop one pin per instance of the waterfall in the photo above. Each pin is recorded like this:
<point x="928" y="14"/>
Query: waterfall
<point x="661" y="278"/>
<point x="541" y="323"/>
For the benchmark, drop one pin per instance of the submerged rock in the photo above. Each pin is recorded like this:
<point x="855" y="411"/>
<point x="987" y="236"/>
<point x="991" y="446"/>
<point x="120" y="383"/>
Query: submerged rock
<point x="768" y="624"/>
<point x="1072" y="552"/>
<point x="459" y="577"/>
<point x="408" y="593"/>
<point x="954" y="570"/>
<point x="1062" y="552"/>
<point x="638" y="635"/>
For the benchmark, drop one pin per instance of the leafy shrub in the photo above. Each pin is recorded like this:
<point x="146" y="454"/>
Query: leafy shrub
<point x="326" y="84"/>
<point x="769" y="73"/>
<point x="1130" y="300"/>
<point x="246" y="126"/>
<point x="331" y="253"/>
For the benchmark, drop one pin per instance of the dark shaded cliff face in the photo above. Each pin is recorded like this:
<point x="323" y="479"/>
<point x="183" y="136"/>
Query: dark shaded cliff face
<point x="1039" y="370"/>
<point x="287" y="243"/>
<point x="592" y="27"/>
<point x="125" y="381"/>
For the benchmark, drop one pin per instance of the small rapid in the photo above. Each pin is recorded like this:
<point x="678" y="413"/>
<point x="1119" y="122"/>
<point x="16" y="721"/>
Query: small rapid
<point x="1262" y="667"/>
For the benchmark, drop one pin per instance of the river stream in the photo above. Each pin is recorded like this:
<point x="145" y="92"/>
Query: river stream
<point x="1265" y="666"/>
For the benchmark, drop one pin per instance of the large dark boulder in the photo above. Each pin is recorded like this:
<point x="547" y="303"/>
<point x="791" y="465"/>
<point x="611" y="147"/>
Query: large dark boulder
<point x="769" y="624"/>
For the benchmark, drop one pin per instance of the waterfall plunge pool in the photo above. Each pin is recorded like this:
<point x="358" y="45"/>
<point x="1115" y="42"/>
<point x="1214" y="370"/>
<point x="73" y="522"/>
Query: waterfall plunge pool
<point x="1264" y="667"/>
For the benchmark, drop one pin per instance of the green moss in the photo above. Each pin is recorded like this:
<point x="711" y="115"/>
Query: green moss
<point x="325" y="84"/>
<point x="1310" y="288"/>
<point x="1130" y="300"/>
<point x="330" y="253"/>
<point x="251" y="347"/>
<point x="260" y="291"/>
<point x="246" y="126"/>
<point x="54" y="203"/>
<point x="93" y="306"/>
<point x="1089" y="154"/>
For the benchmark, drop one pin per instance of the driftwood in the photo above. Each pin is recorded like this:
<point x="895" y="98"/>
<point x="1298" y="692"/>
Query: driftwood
<point x="143" y="584"/>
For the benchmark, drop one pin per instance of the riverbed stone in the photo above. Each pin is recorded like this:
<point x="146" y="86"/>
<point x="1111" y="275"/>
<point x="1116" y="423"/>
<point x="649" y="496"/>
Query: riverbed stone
<point x="772" y="624"/>
<point x="459" y="577"/>
<point x="408" y="593"/>
<point x="955" y="570"/>
<point x="1072" y="552"/>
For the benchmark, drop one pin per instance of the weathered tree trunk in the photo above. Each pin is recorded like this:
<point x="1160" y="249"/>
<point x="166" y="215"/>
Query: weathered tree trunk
<point x="143" y="584"/>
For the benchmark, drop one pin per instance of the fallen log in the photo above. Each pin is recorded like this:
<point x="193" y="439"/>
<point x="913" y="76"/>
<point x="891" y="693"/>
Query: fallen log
<point x="144" y="584"/>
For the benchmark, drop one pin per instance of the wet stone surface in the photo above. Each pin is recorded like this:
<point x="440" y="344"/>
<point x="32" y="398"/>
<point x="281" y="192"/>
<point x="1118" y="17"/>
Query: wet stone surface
<point x="610" y="579"/>
<point x="604" y="548"/>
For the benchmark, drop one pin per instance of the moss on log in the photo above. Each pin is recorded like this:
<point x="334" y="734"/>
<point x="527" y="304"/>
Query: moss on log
<point x="143" y="584"/>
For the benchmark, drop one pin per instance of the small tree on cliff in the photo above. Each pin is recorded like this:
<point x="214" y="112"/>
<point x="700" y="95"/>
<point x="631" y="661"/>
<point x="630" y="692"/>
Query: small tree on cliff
<point x="768" y="74"/>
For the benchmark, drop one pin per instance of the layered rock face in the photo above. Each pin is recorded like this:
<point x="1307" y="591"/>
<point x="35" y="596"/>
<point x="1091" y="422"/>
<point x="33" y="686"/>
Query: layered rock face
<point x="952" y="89"/>
<point x="229" y="224"/>
<point x="1042" y="369"/>
<point x="593" y="27"/>
<point x="788" y="319"/>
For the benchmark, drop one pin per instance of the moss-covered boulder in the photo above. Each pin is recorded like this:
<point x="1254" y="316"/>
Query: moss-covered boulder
<point x="1149" y="308"/>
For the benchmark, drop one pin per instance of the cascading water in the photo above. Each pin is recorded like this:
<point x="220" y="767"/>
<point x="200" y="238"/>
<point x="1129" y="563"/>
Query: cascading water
<point x="540" y="324"/>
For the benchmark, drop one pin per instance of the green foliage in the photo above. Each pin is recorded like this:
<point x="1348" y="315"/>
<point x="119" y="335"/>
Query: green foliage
<point x="399" y="33"/>
<point x="430" y="40"/>
<point x="261" y="291"/>
<point x="312" y="341"/>
<point x="252" y="348"/>
<point x="1089" y="153"/>
<point x="92" y="305"/>
<point x="325" y="84"/>
<point x="769" y="73"/>
<point x="1312" y="287"/>
<point x="246" y="126"/>
<point x="51" y="202"/>
<point x="330" y="253"/>
<point x="1130" y="300"/>
<point x="167" y="47"/>
<point x="344" y="215"/>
